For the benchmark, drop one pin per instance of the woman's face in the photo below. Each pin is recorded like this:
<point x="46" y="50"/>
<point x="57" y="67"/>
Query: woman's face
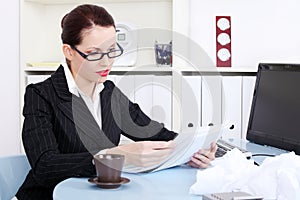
<point x="95" y="40"/>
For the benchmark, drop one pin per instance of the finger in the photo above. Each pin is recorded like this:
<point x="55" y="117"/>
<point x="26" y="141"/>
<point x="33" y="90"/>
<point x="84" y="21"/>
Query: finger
<point x="204" y="152"/>
<point x="213" y="152"/>
<point x="192" y="164"/>
<point x="213" y="144"/>
<point x="199" y="163"/>
<point x="210" y="154"/>
<point x="202" y="158"/>
<point x="213" y="147"/>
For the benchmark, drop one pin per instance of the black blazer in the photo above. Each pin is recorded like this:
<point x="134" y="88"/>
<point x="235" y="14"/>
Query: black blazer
<point x="60" y="134"/>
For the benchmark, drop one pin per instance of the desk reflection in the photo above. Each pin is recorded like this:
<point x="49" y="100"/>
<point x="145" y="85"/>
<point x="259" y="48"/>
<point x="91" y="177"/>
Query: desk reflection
<point x="171" y="183"/>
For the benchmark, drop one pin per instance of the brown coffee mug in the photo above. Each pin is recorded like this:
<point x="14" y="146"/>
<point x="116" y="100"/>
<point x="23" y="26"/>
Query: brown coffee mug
<point x="109" y="167"/>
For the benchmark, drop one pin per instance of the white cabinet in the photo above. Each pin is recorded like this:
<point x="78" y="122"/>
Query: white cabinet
<point x="143" y="93"/>
<point x="211" y="100"/>
<point x="35" y="78"/>
<point x="232" y="106"/>
<point x="153" y="93"/>
<point x="190" y="103"/>
<point x="126" y="85"/>
<point x="162" y="100"/>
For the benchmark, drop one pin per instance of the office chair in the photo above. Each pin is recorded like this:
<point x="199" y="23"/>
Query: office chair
<point x="13" y="170"/>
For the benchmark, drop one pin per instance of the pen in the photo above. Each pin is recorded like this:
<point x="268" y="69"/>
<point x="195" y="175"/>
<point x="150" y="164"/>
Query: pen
<point x="248" y="198"/>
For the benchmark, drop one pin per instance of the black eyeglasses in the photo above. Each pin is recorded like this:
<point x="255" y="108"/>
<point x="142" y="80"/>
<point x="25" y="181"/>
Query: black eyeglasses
<point x="98" y="55"/>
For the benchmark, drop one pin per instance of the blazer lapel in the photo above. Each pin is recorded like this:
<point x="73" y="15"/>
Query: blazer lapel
<point x="75" y="109"/>
<point x="61" y="88"/>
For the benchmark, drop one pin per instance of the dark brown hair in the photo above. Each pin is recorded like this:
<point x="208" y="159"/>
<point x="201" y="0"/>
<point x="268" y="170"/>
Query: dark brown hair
<point x="81" y="18"/>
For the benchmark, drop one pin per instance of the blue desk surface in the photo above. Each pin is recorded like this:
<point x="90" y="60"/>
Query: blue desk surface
<point x="171" y="183"/>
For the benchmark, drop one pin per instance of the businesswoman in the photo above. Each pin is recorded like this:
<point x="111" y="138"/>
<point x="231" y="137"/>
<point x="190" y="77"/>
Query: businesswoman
<point x="77" y="113"/>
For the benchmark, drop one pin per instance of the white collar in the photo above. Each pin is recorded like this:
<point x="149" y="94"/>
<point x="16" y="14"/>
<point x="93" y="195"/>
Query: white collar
<point x="73" y="88"/>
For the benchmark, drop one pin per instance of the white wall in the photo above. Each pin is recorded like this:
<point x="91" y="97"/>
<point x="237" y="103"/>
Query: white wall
<point x="262" y="30"/>
<point x="9" y="81"/>
<point x="41" y="23"/>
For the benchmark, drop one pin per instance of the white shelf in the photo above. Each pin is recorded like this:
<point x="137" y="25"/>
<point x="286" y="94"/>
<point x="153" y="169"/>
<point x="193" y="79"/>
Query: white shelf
<point x="215" y="69"/>
<point x="142" y="69"/>
<point x="153" y="69"/>
<point x="55" y="2"/>
<point x="114" y="69"/>
<point x="40" y="69"/>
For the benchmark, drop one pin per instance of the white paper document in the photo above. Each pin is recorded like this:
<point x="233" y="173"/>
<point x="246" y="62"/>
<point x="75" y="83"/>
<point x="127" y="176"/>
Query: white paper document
<point x="276" y="178"/>
<point x="186" y="145"/>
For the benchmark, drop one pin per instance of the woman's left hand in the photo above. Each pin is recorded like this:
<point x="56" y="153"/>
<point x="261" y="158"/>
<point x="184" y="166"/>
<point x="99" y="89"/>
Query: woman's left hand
<point x="203" y="157"/>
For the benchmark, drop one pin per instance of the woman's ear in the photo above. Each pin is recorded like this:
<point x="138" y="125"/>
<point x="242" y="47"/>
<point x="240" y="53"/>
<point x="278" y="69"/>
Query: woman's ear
<point x="68" y="51"/>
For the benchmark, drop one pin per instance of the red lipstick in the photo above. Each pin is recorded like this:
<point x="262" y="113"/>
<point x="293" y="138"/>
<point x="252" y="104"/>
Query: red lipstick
<point x="103" y="73"/>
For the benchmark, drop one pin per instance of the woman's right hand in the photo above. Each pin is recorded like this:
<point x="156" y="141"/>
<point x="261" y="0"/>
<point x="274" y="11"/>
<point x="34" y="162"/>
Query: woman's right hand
<point x="145" y="153"/>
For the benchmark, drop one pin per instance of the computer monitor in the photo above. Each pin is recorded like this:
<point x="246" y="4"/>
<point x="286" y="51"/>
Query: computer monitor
<point x="275" y="111"/>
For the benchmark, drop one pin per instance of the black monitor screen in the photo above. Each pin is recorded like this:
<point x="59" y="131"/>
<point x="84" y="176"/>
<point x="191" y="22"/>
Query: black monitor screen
<point x="275" y="111"/>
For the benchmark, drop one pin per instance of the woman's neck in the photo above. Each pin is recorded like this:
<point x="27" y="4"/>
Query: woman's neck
<point x="85" y="86"/>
